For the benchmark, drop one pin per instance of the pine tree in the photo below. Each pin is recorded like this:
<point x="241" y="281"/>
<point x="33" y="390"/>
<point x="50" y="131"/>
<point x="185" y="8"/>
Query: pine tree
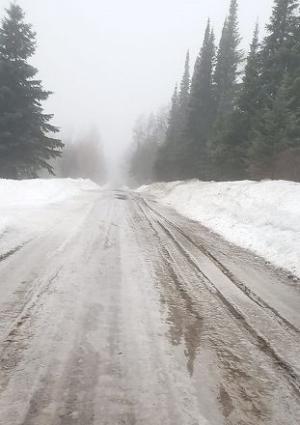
<point x="241" y="123"/>
<point x="229" y="58"/>
<point x="169" y="164"/>
<point x="184" y="92"/>
<point x="177" y="154"/>
<point x="25" y="143"/>
<point x="278" y="130"/>
<point x="295" y="63"/>
<point x="163" y="167"/>
<point x="173" y="118"/>
<point x="201" y="109"/>
<point x="248" y="100"/>
<point x="278" y="112"/>
<point x="278" y="47"/>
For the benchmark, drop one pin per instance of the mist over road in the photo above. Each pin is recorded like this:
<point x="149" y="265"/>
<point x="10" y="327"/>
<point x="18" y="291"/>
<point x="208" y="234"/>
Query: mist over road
<point x="123" y="312"/>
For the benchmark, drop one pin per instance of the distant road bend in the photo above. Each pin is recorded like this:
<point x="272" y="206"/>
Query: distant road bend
<point x="122" y="312"/>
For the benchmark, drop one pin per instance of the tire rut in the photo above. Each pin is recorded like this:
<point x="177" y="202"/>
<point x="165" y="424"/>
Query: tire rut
<point x="239" y="284"/>
<point x="262" y="343"/>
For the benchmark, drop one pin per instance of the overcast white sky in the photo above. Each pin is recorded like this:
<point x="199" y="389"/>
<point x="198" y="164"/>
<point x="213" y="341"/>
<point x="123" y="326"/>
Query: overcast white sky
<point x="110" y="61"/>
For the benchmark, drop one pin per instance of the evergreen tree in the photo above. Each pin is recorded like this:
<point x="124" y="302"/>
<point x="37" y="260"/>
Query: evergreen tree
<point x="163" y="164"/>
<point x="248" y="100"/>
<point x="201" y="109"/>
<point x="225" y="79"/>
<point x="277" y="125"/>
<point x="278" y="130"/>
<point x="278" y="48"/>
<point x="25" y="143"/>
<point x="184" y="92"/>
<point x="294" y="71"/>
<point x="241" y="123"/>
<point x="228" y="59"/>
<point x="173" y="114"/>
<point x="169" y="164"/>
<point x="177" y="166"/>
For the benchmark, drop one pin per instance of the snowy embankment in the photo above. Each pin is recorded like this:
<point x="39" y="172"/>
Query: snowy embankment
<point x="19" y="199"/>
<point x="39" y="192"/>
<point x="263" y="217"/>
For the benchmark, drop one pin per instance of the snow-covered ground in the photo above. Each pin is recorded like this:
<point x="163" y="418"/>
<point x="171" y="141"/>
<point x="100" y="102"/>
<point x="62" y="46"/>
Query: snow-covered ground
<point x="263" y="217"/>
<point x="39" y="192"/>
<point x="24" y="204"/>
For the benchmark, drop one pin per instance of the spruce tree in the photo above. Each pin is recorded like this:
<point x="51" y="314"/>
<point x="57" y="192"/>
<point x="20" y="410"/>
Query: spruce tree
<point x="201" y="109"/>
<point x="295" y="61"/>
<point x="185" y="87"/>
<point x="248" y="100"/>
<point x="278" y="47"/>
<point x="229" y="58"/>
<point x="179" y="147"/>
<point x="173" y="118"/>
<point x="277" y="131"/>
<point x="163" y="168"/>
<point x="26" y="144"/>
<point x="241" y="123"/>
<point x="279" y="103"/>
<point x="169" y="165"/>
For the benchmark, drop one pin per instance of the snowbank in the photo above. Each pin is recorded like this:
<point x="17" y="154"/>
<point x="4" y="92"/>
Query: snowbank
<point x="19" y="198"/>
<point x="261" y="216"/>
<point x="40" y="191"/>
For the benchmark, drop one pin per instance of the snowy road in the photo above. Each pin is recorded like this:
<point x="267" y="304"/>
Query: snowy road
<point x="119" y="311"/>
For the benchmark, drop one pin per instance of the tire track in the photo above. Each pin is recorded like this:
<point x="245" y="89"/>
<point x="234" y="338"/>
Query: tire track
<point x="239" y="284"/>
<point x="262" y="343"/>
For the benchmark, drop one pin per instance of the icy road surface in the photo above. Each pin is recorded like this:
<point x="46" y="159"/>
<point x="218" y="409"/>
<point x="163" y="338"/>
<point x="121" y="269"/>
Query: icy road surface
<point x="115" y="310"/>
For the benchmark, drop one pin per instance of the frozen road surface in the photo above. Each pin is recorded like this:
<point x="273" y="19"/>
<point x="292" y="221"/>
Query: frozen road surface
<point x="117" y="311"/>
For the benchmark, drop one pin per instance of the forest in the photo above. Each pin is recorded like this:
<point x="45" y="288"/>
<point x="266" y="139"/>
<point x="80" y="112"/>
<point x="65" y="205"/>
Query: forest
<point x="237" y="116"/>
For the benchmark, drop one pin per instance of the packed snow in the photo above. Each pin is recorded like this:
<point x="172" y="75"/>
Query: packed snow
<point x="263" y="217"/>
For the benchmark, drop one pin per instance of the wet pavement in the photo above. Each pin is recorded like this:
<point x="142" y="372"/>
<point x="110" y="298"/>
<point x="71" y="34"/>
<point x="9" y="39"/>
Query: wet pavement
<point x="123" y="312"/>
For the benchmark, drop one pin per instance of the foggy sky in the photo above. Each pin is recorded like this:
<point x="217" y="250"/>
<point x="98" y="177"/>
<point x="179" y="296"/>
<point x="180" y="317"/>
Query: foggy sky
<point x="110" y="61"/>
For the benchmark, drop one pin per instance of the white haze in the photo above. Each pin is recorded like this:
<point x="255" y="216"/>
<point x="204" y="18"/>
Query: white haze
<point x="110" y="61"/>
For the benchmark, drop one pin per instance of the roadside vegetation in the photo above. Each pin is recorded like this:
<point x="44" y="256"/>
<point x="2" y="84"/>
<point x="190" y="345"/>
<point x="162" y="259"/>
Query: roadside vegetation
<point x="237" y="117"/>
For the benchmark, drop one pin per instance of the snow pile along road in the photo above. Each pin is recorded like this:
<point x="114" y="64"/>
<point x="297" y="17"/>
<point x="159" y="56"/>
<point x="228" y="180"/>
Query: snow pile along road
<point x="19" y="199"/>
<point x="263" y="217"/>
<point x="39" y="192"/>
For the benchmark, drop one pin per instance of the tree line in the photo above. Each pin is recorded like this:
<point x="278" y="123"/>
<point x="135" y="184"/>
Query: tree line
<point x="28" y="142"/>
<point x="237" y="117"/>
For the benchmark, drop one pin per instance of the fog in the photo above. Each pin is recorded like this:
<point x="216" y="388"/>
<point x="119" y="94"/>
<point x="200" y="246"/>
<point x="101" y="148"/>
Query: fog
<point x="108" y="62"/>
